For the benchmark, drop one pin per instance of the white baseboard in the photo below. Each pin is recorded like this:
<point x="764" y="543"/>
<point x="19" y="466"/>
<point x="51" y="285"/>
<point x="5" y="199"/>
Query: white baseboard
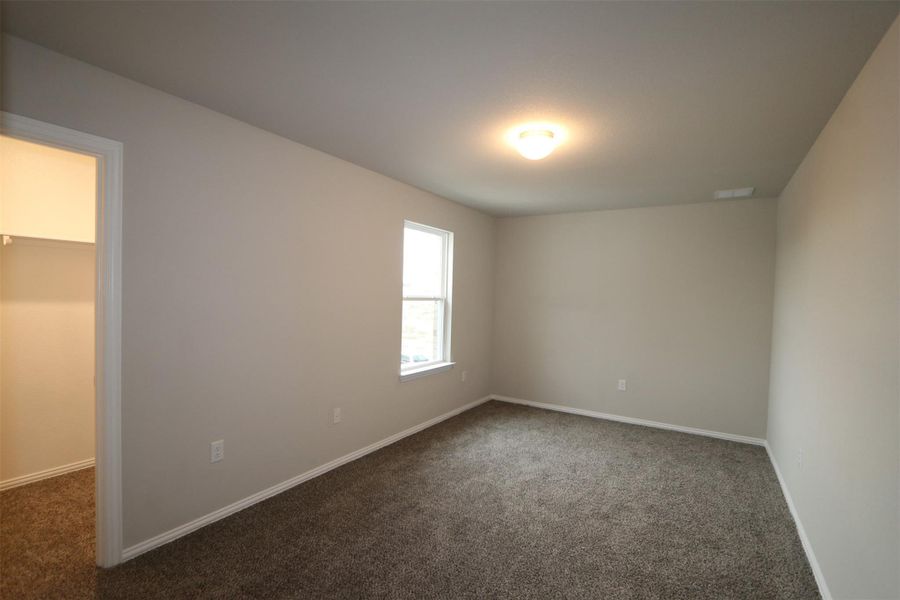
<point x="182" y="530"/>
<point x="45" y="474"/>
<point x="633" y="421"/>
<point x="804" y="539"/>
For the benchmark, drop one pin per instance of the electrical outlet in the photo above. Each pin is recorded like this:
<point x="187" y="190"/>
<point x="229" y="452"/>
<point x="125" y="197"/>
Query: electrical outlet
<point x="336" y="416"/>
<point x="623" y="385"/>
<point x="464" y="376"/>
<point x="216" y="451"/>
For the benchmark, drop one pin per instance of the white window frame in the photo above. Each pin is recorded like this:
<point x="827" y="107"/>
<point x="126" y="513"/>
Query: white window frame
<point x="414" y="370"/>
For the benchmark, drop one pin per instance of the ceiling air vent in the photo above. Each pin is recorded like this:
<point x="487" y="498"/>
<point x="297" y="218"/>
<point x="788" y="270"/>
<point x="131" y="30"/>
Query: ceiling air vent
<point x="735" y="193"/>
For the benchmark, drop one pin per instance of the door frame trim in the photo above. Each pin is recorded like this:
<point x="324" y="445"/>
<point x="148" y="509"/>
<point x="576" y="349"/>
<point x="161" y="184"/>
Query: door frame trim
<point x="108" y="316"/>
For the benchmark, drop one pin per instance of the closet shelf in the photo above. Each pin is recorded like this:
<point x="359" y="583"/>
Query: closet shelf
<point x="10" y="238"/>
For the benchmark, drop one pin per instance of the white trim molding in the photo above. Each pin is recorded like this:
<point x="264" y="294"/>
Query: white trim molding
<point x="804" y="539"/>
<point x="732" y="437"/>
<point x="225" y="511"/>
<point x="45" y="474"/>
<point x="423" y="371"/>
<point x="108" y="316"/>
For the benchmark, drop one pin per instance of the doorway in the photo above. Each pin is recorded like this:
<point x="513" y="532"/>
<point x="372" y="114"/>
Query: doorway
<point x="61" y="365"/>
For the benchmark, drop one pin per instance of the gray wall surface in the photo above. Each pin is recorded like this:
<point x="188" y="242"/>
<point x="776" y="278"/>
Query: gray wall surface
<point x="675" y="300"/>
<point x="834" y="404"/>
<point x="261" y="288"/>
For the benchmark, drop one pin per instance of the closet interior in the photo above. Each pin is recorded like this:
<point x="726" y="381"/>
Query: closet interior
<point x="47" y="286"/>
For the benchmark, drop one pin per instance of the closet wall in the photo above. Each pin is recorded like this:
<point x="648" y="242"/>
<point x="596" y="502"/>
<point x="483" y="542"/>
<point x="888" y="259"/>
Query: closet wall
<point x="47" y="199"/>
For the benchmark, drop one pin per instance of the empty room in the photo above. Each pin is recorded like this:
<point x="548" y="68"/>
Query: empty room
<point x="450" y="299"/>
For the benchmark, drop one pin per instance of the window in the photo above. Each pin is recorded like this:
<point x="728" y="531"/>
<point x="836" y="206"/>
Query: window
<point x="427" y="273"/>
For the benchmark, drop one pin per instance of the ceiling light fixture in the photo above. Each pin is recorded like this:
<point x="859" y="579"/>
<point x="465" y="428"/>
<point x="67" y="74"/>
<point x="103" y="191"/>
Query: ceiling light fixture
<point x="535" y="141"/>
<point x="535" y="144"/>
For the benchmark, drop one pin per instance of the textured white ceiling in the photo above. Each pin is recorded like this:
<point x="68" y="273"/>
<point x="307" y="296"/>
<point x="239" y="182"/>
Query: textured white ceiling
<point x="664" y="102"/>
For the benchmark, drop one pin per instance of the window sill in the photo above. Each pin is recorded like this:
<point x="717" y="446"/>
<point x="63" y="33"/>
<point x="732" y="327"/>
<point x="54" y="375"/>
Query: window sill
<point x="422" y="372"/>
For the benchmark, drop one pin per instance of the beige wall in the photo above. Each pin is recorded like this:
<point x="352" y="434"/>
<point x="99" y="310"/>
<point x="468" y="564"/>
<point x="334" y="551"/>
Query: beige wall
<point x="46" y="192"/>
<point x="47" y="351"/>
<point x="675" y="300"/>
<point x="834" y="394"/>
<point x="261" y="284"/>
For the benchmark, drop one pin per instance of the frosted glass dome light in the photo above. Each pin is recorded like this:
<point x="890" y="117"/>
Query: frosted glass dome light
<point x="535" y="144"/>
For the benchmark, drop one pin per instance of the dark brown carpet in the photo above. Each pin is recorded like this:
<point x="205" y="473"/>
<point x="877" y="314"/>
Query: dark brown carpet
<point x="500" y="502"/>
<point x="47" y="537"/>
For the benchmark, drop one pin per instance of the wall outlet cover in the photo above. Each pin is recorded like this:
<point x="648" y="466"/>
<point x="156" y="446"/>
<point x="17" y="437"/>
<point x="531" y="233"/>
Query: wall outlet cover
<point x="216" y="451"/>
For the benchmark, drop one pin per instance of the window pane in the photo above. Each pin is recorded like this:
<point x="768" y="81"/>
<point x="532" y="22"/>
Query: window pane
<point x="422" y="328"/>
<point x="423" y="263"/>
